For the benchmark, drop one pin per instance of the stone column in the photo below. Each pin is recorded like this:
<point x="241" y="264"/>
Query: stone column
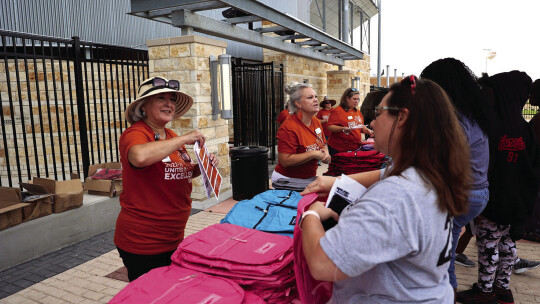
<point x="338" y="82"/>
<point x="186" y="59"/>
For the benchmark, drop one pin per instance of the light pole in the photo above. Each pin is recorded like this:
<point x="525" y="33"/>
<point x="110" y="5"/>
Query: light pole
<point x="489" y="55"/>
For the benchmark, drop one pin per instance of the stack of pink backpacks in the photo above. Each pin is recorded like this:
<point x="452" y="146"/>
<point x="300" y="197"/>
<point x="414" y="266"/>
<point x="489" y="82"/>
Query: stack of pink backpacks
<point x="174" y="284"/>
<point x="260" y="262"/>
<point x="310" y="291"/>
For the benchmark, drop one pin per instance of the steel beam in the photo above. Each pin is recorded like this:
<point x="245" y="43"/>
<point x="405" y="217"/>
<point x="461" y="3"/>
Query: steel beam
<point x="288" y="21"/>
<point x="322" y="47"/>
<point x="332" y="51"/>
<point x="206" y="25"/>
<point x="160" y="10"/>
<point x="138" y="6"/>
<point x="245" y="19"/>
<point x="291" y="37"/>
<point x="308" y="42"/>
<point x="271" y="29"/>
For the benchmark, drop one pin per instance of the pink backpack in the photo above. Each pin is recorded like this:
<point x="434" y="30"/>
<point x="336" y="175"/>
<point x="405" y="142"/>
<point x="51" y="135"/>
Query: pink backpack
<point x="235" y="248"/>
<point x="310" y="291"/>
<point x="260" y="262"/>
<point x="174" y="284"/>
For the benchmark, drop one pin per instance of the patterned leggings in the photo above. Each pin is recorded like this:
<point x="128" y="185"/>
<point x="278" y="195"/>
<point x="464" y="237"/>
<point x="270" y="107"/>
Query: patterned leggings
<point x="496" y="254"/>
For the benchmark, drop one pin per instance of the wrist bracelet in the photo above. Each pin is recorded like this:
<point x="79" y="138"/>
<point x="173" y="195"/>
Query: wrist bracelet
<point x="306" y="213"/>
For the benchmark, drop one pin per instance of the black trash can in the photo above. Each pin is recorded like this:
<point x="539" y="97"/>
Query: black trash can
<point x="249" y="171"/>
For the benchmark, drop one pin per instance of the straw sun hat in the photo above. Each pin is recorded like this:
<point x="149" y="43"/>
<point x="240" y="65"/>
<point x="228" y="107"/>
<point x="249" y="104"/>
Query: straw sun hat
<point x="153" y="86"/>
<point x="327" y="100"/>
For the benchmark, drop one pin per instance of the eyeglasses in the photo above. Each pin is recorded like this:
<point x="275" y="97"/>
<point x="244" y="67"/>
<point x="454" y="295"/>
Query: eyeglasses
<point x="378" y="110"/>
<point x="354" y="90"/>
<point x="412" y="79"/>
<point x="160" y="83"/>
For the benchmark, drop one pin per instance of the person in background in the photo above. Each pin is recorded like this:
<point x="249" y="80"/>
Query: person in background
<point x="301" y="141"/>
<point x="157" y="175"/>
<point x="461" y="85"/>
<point x="393" y="244"/>
<point x="283" y="115"/>
<point x="372" y="100"/>
<point x="514" y="180"/>
<point x="532" y="226"/>
<point x="346" y="124"/>
<point x="324" y="113"/>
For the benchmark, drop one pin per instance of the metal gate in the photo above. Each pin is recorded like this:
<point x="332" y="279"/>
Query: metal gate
<point x="257" y="100"/>
<point x="63" y="103"/>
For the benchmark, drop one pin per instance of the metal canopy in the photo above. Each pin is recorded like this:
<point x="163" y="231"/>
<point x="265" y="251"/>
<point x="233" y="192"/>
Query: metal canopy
<point x="297" y="37"/>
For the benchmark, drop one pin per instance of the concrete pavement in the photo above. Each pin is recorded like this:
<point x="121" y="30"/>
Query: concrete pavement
<point x="87" y="272"/>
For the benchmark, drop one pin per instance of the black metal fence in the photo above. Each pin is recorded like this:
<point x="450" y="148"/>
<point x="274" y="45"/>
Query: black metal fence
<point x="529" y="111"/>
<point x="63" y="102"/>
<point x="257" y="100"/>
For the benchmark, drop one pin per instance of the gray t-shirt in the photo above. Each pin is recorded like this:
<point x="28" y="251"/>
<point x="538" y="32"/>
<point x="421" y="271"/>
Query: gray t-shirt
<point x="394" y="244"/>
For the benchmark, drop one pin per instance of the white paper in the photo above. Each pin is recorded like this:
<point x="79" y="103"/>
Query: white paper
<point x="347" y="188"/>
<point x="356" y="127"/>
<point x="210" y="169"/>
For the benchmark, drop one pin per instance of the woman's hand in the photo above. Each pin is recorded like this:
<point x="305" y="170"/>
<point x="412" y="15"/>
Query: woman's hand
<point x="367" y="131"/>
<point x="193" y="136"/>
<point x="324" y="213"/>
<point x="214" y="160"/>
<point x="346" y="130"/>
<point x="318" y="154"/>
<point x="321" y="185"/>
<point x="326" y="159"/>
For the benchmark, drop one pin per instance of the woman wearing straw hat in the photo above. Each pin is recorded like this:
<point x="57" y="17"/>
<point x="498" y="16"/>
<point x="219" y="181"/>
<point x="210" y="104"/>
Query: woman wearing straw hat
<point x="324" y="113"/>
<point x="157" y="174"/>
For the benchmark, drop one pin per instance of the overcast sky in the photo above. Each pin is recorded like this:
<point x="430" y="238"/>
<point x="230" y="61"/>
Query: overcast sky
<point x="417" y="32"/>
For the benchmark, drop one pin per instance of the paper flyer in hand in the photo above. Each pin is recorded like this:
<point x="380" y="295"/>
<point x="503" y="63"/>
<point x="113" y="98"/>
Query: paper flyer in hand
<point x="357" y="127"/>
<point x="344" y="191"/>
<point x="209" y="173"/>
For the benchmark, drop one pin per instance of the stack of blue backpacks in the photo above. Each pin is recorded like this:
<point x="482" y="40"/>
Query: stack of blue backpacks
<point x="272" y="211"/>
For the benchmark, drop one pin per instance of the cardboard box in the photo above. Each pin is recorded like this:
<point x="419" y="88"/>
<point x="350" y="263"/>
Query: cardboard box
<point x="68" y="194"/>
<point x="108" y="188"/>
<point x="10" y="207"/>
<point x="32" y="208"/>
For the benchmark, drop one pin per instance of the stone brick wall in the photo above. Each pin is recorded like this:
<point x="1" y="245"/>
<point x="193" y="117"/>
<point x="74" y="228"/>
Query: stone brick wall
<point x="319" y="74"/>
<point x="298" y="69"/>
<point x="186" y="58"/>
<point x="55" y="81"/>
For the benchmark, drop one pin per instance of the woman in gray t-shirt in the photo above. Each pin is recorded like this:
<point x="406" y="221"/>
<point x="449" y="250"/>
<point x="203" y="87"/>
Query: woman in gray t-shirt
<point x="393" y="245"/>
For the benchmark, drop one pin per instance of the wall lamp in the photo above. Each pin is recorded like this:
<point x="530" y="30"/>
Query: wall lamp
<point x="355" y="83"/>
<point x="222" y="92"/>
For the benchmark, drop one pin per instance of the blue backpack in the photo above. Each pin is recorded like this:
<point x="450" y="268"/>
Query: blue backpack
<point x="272" y="211"/>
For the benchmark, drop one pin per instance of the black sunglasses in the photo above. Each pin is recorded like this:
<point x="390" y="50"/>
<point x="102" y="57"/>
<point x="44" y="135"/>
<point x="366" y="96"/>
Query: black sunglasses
<point x="160" y="83"/>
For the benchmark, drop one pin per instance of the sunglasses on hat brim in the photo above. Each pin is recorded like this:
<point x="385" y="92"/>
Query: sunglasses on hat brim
<point x="160" y="83"/>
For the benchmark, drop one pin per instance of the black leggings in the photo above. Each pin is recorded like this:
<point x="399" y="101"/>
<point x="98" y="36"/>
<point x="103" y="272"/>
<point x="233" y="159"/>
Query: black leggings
<point x="138" y="264"/>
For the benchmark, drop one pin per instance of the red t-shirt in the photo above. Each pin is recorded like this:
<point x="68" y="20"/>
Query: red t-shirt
<point x="295" y="137"/>
<point x="325" y="114"/>
<point x="155" y="200"/>
<point x="283" y="115"/>
<point x="341" y="141"/>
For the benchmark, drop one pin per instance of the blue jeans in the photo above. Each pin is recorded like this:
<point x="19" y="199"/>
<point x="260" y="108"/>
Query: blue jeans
<point x="477" y="202"/>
